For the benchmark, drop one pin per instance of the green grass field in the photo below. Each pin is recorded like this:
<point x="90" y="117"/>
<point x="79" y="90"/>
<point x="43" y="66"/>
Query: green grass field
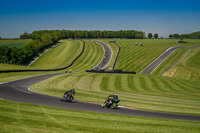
<point x="63" y="55"/>
<point x="170" y="60"/>
<point x="136" y="58"/>
<point x="27" y="118"/>
<point x="193" y="60"/>
<point x="188" y="68"/>
<point x="60" y="56"/>
<point x="174" y="94"/>
<point x="145" y="92"/>
<point x="14" y="43"/>
<point x="91" y="57"/>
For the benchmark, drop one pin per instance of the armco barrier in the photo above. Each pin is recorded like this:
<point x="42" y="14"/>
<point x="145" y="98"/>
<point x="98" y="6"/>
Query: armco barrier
<point x="116" y="59"/>
<point x="114" y="71"/>
<point x="33" y="70"/>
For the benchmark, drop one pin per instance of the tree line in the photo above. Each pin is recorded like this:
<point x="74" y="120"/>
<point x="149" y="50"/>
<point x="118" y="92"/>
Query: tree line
<point x="194" y="35"/>
<point x="66" y="34"/>
<point x="46" y="38"/>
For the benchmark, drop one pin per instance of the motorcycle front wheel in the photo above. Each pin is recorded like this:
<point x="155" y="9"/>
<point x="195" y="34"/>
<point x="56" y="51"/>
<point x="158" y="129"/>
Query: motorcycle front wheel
<point x="114" y="105"/>
<point x="103" y="105"/>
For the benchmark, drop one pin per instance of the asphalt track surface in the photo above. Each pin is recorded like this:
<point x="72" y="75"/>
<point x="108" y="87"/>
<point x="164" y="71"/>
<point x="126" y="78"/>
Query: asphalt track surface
<point x="18" y="91"/>
<point x="150" y="68"/>
<point x="107" y="54"/>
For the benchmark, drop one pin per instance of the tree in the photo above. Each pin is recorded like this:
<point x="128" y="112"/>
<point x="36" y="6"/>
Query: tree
<point x="150" y="35"/>
<point x="0" y="37"/>
<point x="155" y="35"/>
<point x="25" y="35"/>
<point x="171" y="36"/>
<point x="176" y="36"/>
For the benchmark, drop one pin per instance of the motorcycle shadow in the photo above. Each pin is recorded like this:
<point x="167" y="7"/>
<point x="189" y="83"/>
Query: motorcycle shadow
<point x="71" y="102"/>
<point x="74" y="102"/>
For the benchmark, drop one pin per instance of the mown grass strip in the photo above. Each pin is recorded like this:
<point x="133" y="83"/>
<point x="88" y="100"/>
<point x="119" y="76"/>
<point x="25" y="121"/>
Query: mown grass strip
<point x="146" y="92"/>
<point x="22" y="117"/>
<point x="60" y="56"/>
<point x="135" y="57"/>
<point x="183" y="70"/>
<point x="92" y="55"/>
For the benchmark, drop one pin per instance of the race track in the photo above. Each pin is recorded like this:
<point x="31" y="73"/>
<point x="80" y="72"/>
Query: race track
<point x="150" y="68"/>
<point x="18" y="91"/>
<point x="107" y="54"/>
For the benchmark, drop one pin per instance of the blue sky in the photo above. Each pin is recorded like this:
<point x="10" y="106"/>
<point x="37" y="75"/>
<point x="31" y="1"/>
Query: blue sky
<point x="155" y="16"/>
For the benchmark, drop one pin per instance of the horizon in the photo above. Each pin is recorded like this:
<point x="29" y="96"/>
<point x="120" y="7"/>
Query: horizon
<point x="162" y="17"/>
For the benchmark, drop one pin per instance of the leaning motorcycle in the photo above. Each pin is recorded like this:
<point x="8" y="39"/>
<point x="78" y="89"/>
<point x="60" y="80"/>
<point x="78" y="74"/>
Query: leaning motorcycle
<point x="110" y="104"/>
<point x="67" y="98"/>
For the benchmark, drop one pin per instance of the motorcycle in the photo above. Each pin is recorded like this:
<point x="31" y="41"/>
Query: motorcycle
<point x="67" y="98"/>
<point x="110" y="104"/>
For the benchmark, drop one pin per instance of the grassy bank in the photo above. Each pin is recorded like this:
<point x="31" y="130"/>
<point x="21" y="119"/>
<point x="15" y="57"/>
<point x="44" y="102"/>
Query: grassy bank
<point x="174" y="57"/>
<point x="145" y="92"/>
<point x="60" y="56"/>
<point x="21" y="117"/>
<point x="188" y="68"/>
<point x="134" y="57"/>
<point x="91" y="57"/>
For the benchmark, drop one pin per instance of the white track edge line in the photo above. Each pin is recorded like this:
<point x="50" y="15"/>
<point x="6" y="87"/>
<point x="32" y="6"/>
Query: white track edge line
<point x="162" y="61"/>
<point x="156" y="58"/>
<point x="40" y="93"/>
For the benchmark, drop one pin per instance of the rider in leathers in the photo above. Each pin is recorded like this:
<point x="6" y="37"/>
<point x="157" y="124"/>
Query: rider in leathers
<point x="72" y="91"/>
<point x="112" y="97"/>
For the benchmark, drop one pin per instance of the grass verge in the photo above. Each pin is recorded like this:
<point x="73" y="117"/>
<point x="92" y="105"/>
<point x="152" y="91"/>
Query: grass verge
<point x="21" y="117"/>
<point x="11" y="76"/>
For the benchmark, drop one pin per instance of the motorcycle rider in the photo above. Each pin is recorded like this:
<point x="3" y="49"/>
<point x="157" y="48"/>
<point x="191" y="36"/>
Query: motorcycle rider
<point x="72" y="91"/>
<point x="112" y="97"/>
<point x="68" y="96"/>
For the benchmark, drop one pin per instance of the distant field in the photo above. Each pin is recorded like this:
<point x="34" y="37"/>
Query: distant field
<point x="146" y="92"/>
<point x="21" y="117"/>
<point x="14" y="43"/>
<point x="136" y="58"/>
